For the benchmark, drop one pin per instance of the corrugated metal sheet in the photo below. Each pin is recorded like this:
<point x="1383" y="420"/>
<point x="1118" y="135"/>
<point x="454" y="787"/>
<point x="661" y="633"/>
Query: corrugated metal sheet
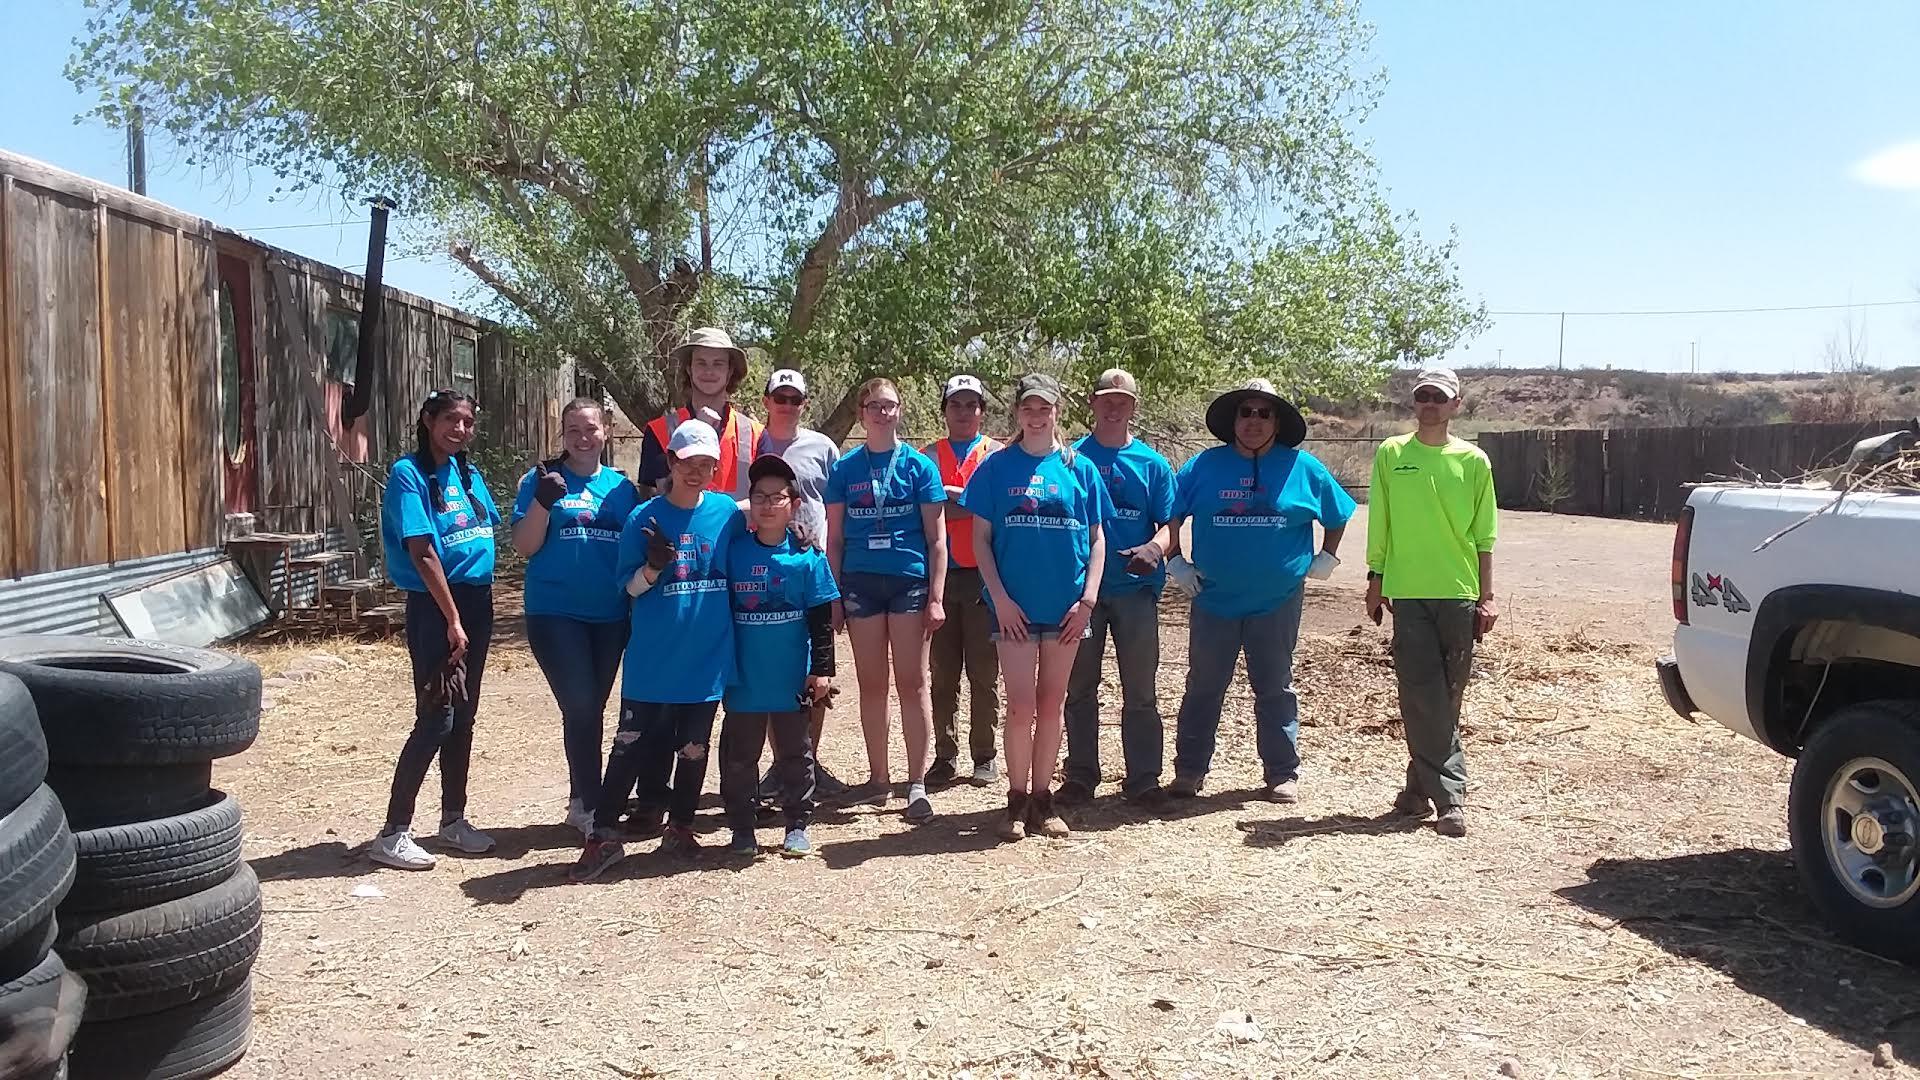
<point x="69" y="601"/>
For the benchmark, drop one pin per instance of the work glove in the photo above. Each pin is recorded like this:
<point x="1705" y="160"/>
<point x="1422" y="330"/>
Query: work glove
<point x="660" y="551"/>
<point x="549" y="488"/>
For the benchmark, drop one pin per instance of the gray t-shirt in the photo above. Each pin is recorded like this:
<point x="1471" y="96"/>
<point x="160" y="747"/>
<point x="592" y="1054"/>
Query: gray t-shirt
<point x="811" y="455"/>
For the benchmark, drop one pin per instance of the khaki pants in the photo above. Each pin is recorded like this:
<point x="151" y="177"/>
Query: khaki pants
<point x="965" y="641"/>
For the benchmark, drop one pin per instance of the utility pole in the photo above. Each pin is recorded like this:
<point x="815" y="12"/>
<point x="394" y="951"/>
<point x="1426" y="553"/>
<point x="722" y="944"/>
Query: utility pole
<point x="137" y="152"/>
<point x="1693" y="356"/>
<point x="1563" y="341"/>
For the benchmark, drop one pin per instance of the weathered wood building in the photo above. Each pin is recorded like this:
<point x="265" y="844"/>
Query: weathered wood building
<point x="161" y="376"/>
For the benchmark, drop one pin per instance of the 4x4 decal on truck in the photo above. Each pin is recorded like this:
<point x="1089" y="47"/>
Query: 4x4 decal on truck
<point x="1714" y="589"/>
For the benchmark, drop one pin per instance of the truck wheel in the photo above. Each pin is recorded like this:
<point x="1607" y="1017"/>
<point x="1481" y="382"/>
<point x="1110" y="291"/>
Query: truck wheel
<point x="1854" y="815"/>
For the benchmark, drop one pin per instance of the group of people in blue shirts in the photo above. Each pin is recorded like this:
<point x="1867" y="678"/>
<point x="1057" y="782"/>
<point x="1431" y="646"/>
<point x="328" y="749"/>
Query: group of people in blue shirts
<point x="699" y="597"/>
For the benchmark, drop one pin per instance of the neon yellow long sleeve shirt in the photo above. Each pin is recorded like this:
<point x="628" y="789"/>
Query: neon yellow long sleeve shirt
<point x="1430" y="513"/>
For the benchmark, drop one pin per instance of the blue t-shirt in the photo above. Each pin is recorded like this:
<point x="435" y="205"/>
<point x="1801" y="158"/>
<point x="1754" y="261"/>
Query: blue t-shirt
<point x="772" y="588"/>
<point x="1042" y="511"/>
<point x="462" y="533"/>
<point x="572" y="573"/>
<point x="888" y="538"/>
<point x="680" y="646"/>
<point x="1253" y="527"/>
<point x="1140" y="483"/>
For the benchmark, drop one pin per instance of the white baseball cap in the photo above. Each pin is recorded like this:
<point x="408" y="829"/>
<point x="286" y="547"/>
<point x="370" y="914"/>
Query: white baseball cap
<point x="963" y="384"/>
<point x="789" y="378"/>
<point x="693" y="438"/>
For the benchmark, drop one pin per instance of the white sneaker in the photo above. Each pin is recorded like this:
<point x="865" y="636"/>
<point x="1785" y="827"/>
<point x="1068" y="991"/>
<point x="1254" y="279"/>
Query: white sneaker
<point x="579" y="817"/>
<point x="400" y="852"/>
<point x="462" y="835"/>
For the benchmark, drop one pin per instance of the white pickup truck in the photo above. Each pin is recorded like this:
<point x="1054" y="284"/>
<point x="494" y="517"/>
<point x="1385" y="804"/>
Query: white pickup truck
<point x="1812" y="646"/>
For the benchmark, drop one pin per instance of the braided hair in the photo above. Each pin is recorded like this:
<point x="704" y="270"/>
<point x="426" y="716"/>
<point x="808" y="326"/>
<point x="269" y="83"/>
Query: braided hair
<point x="438" y="402"/>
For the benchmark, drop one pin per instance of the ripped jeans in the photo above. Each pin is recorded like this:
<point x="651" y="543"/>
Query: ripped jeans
<point x="664" y="747"/>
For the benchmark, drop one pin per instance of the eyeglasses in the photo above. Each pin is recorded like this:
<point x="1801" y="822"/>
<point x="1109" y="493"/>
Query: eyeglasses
<point x="882" y="407"/>
<point x="770" y="498"/>
<point x="791" y="401"/>
<point x="1256" y="412"/>
<point x="1431" y="397"/>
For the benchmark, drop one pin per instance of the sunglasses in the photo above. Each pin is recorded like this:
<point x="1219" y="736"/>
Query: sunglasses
<point x="789" y="400"/>
<point x="1431" y="397"/>
<point x="1256" y="412"/>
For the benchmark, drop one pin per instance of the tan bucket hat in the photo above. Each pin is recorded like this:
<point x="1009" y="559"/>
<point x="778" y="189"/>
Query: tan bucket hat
<point x="712" y="337"/>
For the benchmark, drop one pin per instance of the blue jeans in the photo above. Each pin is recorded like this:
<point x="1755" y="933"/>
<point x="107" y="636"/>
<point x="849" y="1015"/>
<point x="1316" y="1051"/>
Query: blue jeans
<point x="1213" y="644"/>
<point x="1133" y="619"/>
<point x="580" y="660"/>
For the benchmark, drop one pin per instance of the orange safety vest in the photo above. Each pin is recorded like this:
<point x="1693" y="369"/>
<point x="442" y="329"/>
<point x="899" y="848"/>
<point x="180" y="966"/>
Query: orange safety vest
<point x="736" y="446"/>
<point x="955" y="473"/>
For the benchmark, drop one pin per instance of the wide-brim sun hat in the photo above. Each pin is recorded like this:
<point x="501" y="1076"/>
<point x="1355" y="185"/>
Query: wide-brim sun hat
<point x="712" y="337"/>
<point x="1289" y="427"/>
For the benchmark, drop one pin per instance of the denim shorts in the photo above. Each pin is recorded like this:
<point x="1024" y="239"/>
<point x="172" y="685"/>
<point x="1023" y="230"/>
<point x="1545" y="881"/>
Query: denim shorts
<point x="863" y="594"/>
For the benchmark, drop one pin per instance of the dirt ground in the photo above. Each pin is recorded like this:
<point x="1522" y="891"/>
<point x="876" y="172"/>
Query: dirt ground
<point x="1624" y="905"/>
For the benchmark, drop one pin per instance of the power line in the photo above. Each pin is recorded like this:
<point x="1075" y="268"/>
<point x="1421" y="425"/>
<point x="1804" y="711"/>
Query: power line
<point x="1722" y="311"/>
<point x="301" y="225"/>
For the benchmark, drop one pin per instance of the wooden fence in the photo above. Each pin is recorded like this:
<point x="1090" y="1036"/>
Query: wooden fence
<point x="119" y="321"/>
<point x="1642" y="472"/>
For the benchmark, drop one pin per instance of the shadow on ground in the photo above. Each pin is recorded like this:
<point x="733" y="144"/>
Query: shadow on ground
<point x="1742" y="912"/>
<point x="338" y="859"/>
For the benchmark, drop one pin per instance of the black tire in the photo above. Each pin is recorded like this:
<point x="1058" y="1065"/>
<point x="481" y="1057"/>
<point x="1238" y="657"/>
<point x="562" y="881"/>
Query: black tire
<point x="23" y="752"/>
<point x="39" y="1012"/>
<point x="151" y="862"/>
<point x="1888" y="731"/>
<point x="121" y="701"/>
<point x="28" y="950"/>
<point x="184" y="1043"/>
<point x="36" y="866"/>
<point x="155" y="958"/>
<point x="97" y="796"/>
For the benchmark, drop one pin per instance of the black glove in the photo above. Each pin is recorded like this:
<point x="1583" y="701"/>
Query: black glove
<point x="660" y="551"/>
<point x="550" y="488"/>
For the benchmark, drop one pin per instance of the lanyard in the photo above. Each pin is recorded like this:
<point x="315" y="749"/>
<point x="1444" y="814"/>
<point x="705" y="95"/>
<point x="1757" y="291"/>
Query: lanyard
<point x="882" y="484"/>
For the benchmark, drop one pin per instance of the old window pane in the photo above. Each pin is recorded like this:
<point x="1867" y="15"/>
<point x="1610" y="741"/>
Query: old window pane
<point x="466" y="374"/>
<point x="231" y="433"/>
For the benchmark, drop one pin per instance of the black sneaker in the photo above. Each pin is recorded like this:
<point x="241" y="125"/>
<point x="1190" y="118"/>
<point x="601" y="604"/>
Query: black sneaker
<point x="942" y="774"/>
<point x="1153" y="798"/>
<point x="919" y="811"/>
<point x="1073" y="793"/>
<point x="825" y="784"/>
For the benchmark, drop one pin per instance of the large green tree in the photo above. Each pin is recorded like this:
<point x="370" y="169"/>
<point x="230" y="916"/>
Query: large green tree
<point x="864" y="186"/>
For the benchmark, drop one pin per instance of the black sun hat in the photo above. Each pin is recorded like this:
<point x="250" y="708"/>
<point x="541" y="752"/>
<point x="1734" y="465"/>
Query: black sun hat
<point x="1290" y="428"/>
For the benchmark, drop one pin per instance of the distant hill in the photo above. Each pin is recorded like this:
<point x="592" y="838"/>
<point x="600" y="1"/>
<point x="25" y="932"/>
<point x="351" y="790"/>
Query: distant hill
<point x="1499" y="398"/>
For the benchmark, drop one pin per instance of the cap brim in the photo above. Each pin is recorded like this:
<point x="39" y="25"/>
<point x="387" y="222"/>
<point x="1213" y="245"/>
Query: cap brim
<point x="1290" y="428"/>
<point x="1047" y="396"/>
<point x="1116" y="390"/>
<point x="1448" y="390"/>
<point x="769" y="465"/>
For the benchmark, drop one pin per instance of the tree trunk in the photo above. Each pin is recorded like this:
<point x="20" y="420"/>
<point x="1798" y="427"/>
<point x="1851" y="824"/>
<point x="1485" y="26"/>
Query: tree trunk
<point x="839" y="422"/>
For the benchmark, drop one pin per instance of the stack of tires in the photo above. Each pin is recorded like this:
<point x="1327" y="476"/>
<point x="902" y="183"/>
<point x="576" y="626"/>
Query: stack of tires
<point x="39" y="1001"/>
<point x="162" y="921"/>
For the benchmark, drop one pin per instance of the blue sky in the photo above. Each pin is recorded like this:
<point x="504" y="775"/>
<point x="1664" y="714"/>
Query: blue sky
<point x="1617" y="157"/>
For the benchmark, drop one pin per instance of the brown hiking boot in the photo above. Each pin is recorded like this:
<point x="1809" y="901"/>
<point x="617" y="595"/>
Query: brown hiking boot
<point x="1014" y="825"/>
<point x="1452" y="822"/>
<point x="1043" y="819"/>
